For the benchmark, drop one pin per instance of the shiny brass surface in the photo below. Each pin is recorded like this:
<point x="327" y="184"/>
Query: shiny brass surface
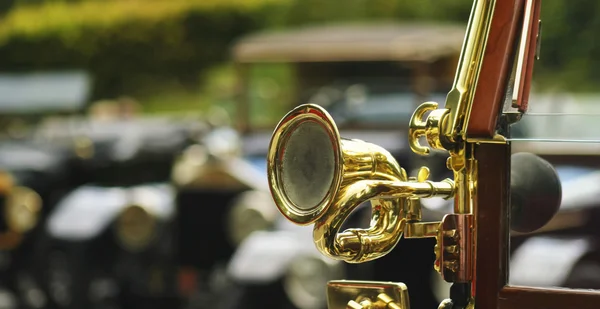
<point x="430" y="127"/>
<point x="460" y="99"/>
<point x="363" y="172"/>
<point x="448" y="126"/>
<point x="454" y="248"/>
<point x="367" y="295"/>
<point x="422" y="230"/>
<point x="446" y="129"/>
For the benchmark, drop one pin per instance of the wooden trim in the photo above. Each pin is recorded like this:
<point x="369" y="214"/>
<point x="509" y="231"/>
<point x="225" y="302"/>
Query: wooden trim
<point x="493" y="77"/>
<point x="530" y="48"/>
<point x="491" y="213"/>
<point x="545" y="298"/>
<point x="490" y="286"/>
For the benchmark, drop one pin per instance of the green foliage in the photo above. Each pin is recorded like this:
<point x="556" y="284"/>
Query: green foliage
<point x="129" y="46"/>
<point x="149" y="47"/>
<point x="570" y="52"/>
<point x="270" y="93"/>
<point x="70" y="20"/>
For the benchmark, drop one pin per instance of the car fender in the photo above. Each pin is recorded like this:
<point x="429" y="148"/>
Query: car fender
<point x="265" y="256"/>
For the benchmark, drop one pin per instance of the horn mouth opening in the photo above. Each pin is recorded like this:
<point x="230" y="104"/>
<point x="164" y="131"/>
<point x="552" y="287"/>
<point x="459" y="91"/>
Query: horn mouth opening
<point x="304" y="163"/>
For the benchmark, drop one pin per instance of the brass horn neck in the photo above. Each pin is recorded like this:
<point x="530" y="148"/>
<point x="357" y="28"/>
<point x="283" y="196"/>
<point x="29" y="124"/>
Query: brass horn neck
<point x="390" y="203"/>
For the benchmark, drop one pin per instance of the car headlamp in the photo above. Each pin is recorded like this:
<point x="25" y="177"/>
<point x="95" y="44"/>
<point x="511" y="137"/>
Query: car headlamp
<point x="305" y="282"/>
<point x="252" y="211"/>
<point x="20" y="208"/>
<point x="136" y="228"/>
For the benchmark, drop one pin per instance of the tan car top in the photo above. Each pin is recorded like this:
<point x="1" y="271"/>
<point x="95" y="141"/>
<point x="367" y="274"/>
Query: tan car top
<point x="352" y="42"/>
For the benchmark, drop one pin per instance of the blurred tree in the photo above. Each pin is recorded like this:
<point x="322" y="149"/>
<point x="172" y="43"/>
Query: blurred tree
<point x="130" y="44"/>
<point x="6" y="5"/>
<point x="126" y="44"/>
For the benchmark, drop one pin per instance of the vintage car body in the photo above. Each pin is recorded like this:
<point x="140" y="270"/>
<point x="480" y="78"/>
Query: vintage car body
<point x="40" y="171"/>
<point x="110" y="241"/>
<point x="215" y="211"/>
<point x="36" y="174"/>
<point x="110" y="246"/>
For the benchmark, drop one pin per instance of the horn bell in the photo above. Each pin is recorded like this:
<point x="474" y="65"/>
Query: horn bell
<point x="308" y="163"/>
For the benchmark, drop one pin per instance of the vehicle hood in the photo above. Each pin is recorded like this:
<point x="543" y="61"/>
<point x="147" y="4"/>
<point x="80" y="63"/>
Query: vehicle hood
<point x="89" y="210"/>
<point x="265" y="256"/>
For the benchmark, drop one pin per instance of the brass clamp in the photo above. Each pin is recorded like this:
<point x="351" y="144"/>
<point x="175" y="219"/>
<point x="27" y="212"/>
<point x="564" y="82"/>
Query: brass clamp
<point x="430" y="128"/>
<point x="454" y="248"/>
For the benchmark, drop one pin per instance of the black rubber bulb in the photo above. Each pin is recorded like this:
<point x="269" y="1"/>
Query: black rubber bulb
<point x="536" y="192"/>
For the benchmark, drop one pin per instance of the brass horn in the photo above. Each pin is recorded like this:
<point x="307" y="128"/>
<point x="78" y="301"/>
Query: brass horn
<point x="317" y="177"/>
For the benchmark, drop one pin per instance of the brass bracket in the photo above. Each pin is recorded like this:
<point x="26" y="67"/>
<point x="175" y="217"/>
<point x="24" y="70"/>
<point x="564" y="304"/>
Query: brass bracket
<point x="422" y="229"/>
<point x="426" y="127"/>
<point x="454" y="248"/>
<point x="343" y="294"/>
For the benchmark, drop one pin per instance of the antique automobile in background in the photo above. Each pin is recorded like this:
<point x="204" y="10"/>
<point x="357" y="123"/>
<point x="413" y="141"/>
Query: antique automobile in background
<point x="370" y="77"/>
<point x="35" y="173"/>
<point x="88" y="207"/>
<point x="110" y="241"/>
<point x="35" y="176"/>
<point x="213" y="180"/>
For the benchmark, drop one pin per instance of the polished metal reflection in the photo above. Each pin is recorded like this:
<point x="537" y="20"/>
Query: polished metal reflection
<point x="367" y="294"/>
<point x="361" y="172"/>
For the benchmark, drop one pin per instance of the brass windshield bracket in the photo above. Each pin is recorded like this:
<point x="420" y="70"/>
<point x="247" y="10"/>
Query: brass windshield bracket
<point x="454" y="247"/>
<point x="422" y="229"/>
<point x="446" y="129"/>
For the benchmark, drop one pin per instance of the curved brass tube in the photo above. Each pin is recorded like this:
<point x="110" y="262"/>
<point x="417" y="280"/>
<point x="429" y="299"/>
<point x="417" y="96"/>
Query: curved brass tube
<point x="364" y="160"/>
<point x="389" y="204"/>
